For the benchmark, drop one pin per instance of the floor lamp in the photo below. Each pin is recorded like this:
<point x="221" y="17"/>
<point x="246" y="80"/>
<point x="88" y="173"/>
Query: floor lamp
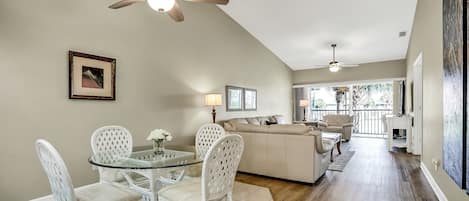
<point x="304" y="104"/>
<point x="213" y="100"/>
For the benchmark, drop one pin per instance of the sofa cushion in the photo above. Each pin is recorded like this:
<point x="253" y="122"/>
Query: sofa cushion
<point x="274" y="129"/>
<point x="335" y="129"/>
<point x="253" y="121"/>
<point x="238" y="121"/>
<point x="338" y="120"/>
<point x="251" y="128"/>
<point x="289" y="128"/>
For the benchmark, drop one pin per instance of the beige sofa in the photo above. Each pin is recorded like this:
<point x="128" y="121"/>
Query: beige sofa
<point x="292" y="152"/>
<point x="261" y="120"/>
<point x="337" y="124"/>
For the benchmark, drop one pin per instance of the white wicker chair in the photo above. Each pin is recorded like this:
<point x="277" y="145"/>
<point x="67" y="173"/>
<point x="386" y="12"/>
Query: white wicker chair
<point x="61" y="183"/>
<point x="206" y="136"/>
<point x="115" y="141"/>
<point x="218" y="174"/>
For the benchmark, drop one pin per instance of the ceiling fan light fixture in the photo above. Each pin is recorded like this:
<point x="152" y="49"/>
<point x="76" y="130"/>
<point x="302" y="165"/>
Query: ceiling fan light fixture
<point x="161" y="6"/>
<point x="334" y="68"/>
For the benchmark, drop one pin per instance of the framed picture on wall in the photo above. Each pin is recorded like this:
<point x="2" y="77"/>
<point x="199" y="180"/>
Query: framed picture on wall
<point x="250" y="99"/>
<point x="91" y="77"/>
<point x="455" y="113"/>
<point x="234" y="98"/>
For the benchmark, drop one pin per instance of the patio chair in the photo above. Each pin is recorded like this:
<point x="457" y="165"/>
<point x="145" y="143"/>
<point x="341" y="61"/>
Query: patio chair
<point x="338" y="124"/>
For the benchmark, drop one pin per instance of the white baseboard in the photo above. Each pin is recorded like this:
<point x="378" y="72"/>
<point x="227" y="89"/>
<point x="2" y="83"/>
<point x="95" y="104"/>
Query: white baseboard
<point x="439" y="193"/>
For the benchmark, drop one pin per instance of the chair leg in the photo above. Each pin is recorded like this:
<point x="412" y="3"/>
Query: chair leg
<point x="229" y="196"/>
<point x="338" y="146"/>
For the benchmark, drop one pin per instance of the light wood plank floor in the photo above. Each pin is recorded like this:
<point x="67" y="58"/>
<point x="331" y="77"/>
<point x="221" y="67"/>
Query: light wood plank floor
<point x="373" y="174"/>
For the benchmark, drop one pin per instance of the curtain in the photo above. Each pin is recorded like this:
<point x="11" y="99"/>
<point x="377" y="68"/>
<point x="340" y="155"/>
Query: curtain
<point x="299" y="94"/>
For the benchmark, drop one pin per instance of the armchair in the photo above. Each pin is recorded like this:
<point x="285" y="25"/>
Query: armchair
<point x="337" y="124"/>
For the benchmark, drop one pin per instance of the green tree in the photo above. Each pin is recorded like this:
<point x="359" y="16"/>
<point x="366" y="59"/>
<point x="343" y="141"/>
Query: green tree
<point x="319" y="103"/>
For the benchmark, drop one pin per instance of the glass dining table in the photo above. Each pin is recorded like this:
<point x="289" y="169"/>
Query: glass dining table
<point x="147" y="172"/>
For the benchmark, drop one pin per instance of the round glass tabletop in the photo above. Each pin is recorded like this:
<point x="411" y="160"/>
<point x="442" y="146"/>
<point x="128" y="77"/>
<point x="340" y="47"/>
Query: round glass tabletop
<point x="146" y="159"/>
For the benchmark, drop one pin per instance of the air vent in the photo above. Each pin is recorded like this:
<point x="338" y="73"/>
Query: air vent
<point x="402" y="34"/>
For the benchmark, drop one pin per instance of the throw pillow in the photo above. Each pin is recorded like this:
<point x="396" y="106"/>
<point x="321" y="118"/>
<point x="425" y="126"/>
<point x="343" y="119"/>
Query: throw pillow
<point x="280" y="119"/>
<point x="270" y="122"/>
<point x="229" y="126"/>
<point x="253" y="121"/>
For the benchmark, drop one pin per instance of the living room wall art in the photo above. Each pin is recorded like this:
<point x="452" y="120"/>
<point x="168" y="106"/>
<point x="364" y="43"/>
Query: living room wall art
<point x="250" y="99"/>
<point x="234" y="98"/>
<point x="91" y="77"/>
<point x="455" y="90"/>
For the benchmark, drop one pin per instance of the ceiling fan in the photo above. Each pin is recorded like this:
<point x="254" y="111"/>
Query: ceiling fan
<point x="171" y="7"/>
<point x="335" y="65"/>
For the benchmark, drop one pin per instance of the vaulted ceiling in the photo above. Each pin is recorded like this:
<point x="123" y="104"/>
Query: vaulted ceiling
<point x="300" y="32"/>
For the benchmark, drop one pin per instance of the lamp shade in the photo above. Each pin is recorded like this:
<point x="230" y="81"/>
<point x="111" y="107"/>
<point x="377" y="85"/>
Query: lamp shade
<point x="304" y="103"/>
<point x="213" y="100"/>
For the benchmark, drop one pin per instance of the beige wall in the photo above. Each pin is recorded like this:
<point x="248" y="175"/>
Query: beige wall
<point x="369" y="71"/>
<point x="163" y="70"/>
<point x="427" y="38"/>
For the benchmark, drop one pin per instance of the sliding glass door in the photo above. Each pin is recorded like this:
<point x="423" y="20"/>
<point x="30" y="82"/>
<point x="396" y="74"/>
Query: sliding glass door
<point x="368" y="103"/>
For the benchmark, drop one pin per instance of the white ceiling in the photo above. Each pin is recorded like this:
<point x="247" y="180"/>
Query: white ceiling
<point x="300" y="32"/>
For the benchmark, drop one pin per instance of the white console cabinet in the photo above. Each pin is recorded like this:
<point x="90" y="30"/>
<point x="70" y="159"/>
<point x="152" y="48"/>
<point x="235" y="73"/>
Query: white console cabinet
<point x="399" y="122"/>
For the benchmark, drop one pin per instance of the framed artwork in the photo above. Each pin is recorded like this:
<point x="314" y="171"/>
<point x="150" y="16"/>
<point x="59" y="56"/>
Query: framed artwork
<point x="250" y="99"/>
<point x="455" y="114"/>
<point x="234" y="98"/>
<point x="91" y="77"/>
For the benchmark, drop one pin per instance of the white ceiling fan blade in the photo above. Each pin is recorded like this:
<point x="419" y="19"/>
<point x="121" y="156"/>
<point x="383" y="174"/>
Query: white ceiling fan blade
<point x="222" y="2"/>
<point x="175" y="13"/>
<point x="318" y="66"/>
<point x="349" y="65"/>
<point x="124" y="3"/>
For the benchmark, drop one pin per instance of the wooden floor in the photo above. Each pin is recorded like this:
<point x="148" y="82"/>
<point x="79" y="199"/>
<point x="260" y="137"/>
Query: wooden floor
<point x="373" y="174"/>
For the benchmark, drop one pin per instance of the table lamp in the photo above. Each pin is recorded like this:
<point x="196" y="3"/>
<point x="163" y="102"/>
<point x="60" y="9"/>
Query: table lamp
<point x="304" y="103"/>
<point x="213" y="100"/>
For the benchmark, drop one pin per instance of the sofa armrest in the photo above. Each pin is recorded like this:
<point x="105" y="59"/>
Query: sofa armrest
<point x="347" y="125"/>
<point x="322" y="124"/>
<point x="324" y="145"/>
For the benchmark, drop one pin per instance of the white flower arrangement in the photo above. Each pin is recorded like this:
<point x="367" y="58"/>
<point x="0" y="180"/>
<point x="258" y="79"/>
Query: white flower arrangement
<point x="160" y="134"/>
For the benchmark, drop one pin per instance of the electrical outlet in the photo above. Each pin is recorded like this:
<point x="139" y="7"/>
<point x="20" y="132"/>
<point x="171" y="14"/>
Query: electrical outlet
<point x="436" y="163"/>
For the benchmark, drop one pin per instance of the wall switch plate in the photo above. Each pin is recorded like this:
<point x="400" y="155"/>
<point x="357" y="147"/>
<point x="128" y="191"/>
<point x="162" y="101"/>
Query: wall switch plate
<point x="436" y="163"/>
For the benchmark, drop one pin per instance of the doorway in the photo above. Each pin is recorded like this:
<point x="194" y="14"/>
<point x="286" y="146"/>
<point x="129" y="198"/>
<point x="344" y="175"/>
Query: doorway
<point x="416" y="108"/>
